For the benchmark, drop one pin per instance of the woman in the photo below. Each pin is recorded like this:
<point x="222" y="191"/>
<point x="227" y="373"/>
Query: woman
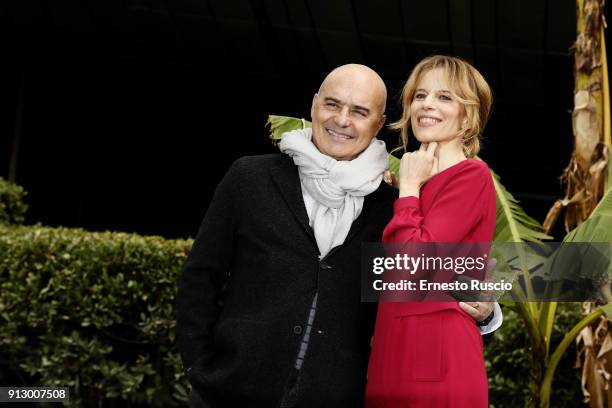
<point x="429" y="354"/>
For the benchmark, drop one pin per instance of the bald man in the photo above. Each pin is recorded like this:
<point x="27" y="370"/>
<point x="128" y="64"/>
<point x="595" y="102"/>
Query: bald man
<point x="268" y="309"/>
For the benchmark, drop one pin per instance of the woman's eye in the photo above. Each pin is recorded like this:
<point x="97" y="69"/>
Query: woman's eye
<point x="419" y="96"/>
<point x="445" y="98"/>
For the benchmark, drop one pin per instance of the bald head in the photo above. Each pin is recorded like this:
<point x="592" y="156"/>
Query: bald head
<point x="361" y="78"/>
<point x="348" y="111"/>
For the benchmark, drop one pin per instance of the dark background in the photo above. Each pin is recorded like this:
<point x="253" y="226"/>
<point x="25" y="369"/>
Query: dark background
<point x="129" y="112"/>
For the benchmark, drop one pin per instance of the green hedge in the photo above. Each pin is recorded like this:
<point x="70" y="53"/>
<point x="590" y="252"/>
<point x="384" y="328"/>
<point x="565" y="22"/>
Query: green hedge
<point x="92" y="311"/>
<point x="12" y="207"/>
<point x="95" y="312"/>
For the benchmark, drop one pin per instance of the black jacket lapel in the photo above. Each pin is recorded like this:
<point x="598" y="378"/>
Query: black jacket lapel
<point x="287" y="180"/>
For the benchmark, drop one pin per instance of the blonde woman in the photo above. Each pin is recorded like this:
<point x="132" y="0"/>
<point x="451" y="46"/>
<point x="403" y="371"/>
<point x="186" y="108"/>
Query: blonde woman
<point x="429" y="354"/>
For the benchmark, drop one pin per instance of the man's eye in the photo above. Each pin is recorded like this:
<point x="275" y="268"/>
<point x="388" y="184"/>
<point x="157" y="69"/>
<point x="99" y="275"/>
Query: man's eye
<point x="360" y="114"/>
<point x="331" y="104"/>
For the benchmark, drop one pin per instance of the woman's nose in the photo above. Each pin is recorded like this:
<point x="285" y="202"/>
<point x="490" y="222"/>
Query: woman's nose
<point x="428" y="102"/>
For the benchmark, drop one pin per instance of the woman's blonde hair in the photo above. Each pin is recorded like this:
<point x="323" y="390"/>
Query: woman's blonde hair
<point x="469" y="88"/>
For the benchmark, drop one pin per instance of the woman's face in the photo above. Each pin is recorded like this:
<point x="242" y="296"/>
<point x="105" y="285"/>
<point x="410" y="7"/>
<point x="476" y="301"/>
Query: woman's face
<point x="435" y="114"/>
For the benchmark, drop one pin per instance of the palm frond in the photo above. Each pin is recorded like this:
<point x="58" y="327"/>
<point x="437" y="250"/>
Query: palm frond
<point x="512" y="222"/>
<point x="394" y="165"/>
<point x="278" y="125"/>
<point x="596" y="228"/>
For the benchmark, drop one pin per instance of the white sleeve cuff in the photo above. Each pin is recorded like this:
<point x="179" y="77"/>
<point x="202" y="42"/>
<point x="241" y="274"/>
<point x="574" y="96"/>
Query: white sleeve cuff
<point x="495" y="323"/>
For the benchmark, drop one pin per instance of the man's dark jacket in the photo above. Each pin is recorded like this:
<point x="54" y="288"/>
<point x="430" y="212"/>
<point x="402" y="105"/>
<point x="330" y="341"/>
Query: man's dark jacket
<point x="256" y="254"/>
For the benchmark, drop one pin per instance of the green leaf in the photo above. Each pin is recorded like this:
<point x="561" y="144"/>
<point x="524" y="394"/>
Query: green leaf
<point x="596" y="228"/>
<point x="607" y="308"/>
<point x="279" y="125"/>
<point x="512" y="222"/>
<point x="394" y="164"/>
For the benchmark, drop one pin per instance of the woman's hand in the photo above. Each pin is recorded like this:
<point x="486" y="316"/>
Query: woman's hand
<point x="478" y="310"/>
<point x="416" y="168"/>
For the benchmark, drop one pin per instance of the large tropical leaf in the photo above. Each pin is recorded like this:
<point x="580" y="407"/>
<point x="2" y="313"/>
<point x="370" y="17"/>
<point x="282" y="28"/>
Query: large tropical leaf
<point x="590" y="262"/>
<point x="512" y="222"/>
<point x="598" y="227"/>
<point x="283" y="124"/>
<point x="394" y="164"/>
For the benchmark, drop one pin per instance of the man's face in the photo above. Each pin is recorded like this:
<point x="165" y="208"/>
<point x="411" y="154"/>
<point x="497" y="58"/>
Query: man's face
<point x="347" y="113"/>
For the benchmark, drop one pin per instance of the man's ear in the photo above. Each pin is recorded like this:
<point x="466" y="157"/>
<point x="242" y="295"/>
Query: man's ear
<point x="383" y="119"/>
<point x="315" y="98"/>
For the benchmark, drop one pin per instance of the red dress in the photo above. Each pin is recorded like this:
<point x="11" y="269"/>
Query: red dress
<point x="430" y="354"/>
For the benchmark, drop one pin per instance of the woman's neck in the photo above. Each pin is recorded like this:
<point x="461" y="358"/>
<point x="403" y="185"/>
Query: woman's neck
<point x="449" y="153"/>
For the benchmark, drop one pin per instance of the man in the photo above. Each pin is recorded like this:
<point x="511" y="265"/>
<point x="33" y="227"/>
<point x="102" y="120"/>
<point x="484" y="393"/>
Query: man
<point x="269" y="311"/>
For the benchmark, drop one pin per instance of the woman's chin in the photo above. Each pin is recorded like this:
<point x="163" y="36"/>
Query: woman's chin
<point x="423" y="139"/>
<point x="429" y="139"/>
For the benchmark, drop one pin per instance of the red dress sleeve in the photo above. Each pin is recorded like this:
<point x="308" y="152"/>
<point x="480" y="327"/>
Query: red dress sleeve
<point x="455" y="211"/>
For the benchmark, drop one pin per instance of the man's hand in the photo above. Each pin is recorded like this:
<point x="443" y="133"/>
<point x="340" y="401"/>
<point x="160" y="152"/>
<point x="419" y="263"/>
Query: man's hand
<point x="478" y="310"/>
<point x="390" y="179"/>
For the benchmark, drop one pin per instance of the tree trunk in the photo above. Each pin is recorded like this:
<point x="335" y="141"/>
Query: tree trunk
<point x="585" y="176"/>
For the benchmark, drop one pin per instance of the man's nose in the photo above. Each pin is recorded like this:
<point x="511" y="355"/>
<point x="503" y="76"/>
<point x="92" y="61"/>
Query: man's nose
<point x="342" y="118"/>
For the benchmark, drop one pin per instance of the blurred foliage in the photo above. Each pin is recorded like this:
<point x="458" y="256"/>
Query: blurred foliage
<point x="91" y="311"/>
<point x="508" y="362"/>
<point x="12" y="207"/>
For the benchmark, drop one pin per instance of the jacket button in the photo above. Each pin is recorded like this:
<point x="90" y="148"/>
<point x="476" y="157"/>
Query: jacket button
<point x="297" y="329"/>
<point x="324" y="265"/>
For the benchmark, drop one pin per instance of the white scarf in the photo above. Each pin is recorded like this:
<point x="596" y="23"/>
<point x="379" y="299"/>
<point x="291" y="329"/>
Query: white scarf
<point x="337" y="186"/>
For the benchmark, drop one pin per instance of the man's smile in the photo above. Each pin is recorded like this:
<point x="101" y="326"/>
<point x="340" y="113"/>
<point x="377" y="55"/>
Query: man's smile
<point x="338" y="135"/>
